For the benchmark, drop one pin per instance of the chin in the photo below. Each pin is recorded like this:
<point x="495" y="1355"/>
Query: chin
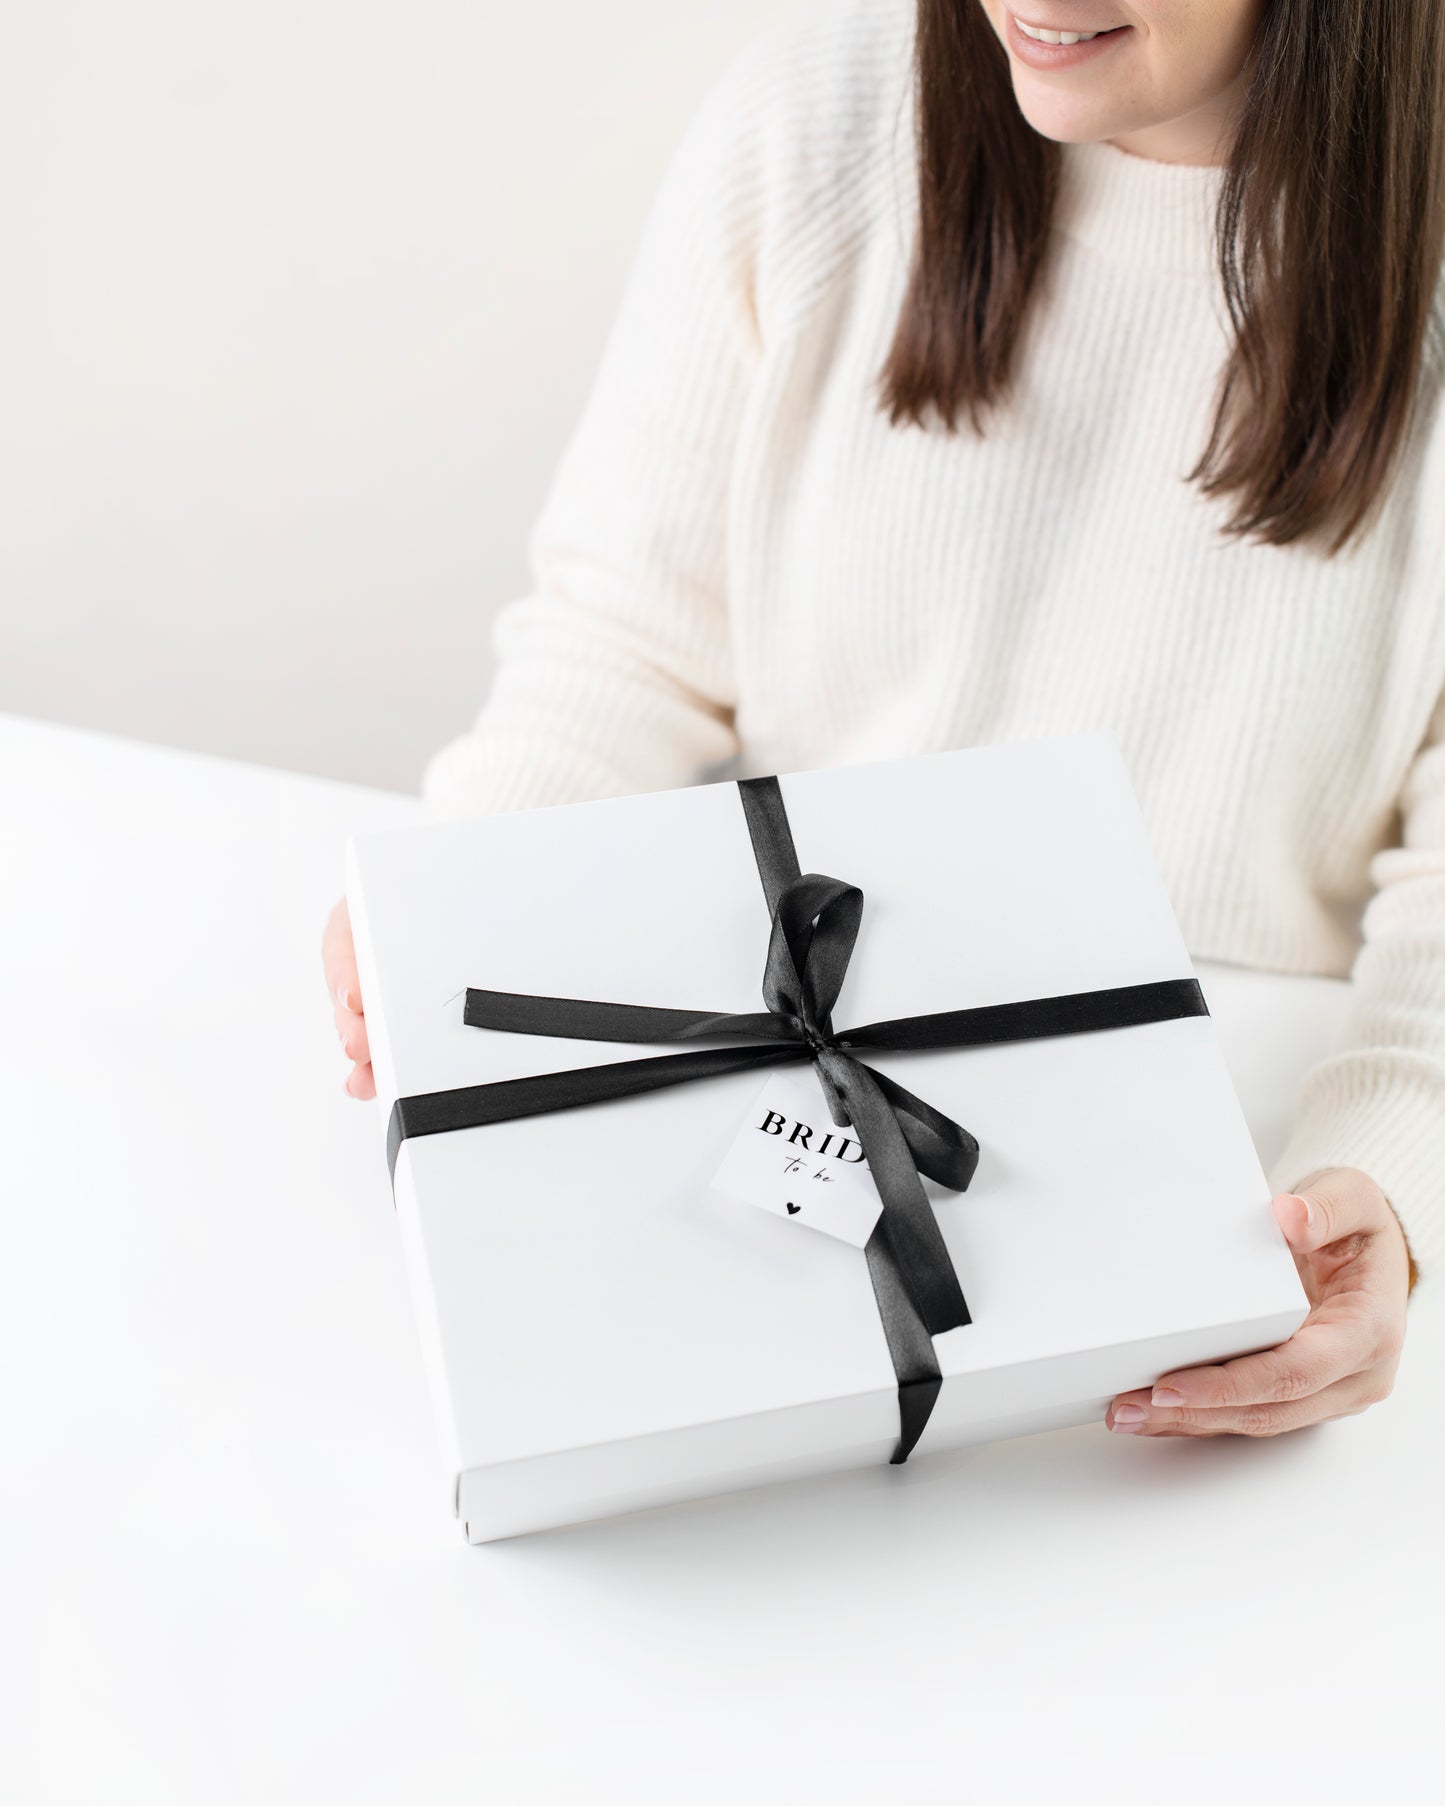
<point x="1068" y="119"/>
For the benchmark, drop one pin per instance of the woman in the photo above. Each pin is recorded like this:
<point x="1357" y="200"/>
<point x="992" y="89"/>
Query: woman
<point x="1026" y="373"/>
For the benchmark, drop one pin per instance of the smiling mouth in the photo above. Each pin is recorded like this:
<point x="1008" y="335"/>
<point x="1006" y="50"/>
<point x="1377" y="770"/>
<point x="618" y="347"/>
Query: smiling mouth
<point x="1044" y="35"/>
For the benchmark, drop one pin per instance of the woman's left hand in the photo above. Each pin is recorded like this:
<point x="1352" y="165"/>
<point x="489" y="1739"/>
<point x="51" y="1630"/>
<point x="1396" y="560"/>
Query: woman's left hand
<point x="1351" y="1254"/>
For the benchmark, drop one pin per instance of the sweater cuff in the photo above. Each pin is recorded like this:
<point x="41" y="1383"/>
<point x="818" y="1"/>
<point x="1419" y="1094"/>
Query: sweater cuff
<point x="1384" y="1114"/>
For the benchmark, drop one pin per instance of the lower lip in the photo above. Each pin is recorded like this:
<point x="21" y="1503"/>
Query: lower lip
<point x="1061" y="56"/>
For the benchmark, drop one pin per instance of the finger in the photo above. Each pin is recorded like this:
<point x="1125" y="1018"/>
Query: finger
<point x="361" y="1082"/>
<point x="1128" y="1412"/>
<point x="1330" y="1345"/>
<point x="1344" y="1399"/>
<point x="1336" y="1204"/>
<point x="338" y="959"/>
<point x="351" y="1028"/>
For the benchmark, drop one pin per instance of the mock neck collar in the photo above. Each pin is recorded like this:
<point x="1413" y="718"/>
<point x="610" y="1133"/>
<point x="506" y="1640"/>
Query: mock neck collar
<point x="1139" y="213"/>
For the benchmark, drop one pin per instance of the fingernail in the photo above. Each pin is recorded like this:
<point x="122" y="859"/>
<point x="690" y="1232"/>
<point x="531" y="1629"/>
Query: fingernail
<point x="1306" y="1206"/>
<point x="1129" y="1417"/>
<point x="351" y="1083"/>
<point x="1166" y="1395"/>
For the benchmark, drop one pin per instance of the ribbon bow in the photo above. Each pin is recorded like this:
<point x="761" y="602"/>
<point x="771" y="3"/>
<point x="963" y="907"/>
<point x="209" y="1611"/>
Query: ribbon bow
<point x="815" y="923"/>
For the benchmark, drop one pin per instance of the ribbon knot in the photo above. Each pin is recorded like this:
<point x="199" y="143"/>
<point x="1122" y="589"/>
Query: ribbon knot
<point x="815" y="923"/>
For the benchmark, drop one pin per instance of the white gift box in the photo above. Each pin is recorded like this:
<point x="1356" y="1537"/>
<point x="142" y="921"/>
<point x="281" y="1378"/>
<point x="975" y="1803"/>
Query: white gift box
<point x="606" y="1330"/>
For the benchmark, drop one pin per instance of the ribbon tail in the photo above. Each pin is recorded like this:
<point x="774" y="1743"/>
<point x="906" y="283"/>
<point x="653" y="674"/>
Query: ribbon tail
<point x="910" y="1347"/>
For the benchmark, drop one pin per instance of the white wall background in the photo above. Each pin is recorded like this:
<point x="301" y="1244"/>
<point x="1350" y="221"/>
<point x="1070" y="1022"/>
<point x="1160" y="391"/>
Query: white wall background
<point x="298" y="301"/>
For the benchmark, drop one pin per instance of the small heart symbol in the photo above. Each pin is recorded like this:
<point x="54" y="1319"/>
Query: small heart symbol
<point x="793" y="1209"/>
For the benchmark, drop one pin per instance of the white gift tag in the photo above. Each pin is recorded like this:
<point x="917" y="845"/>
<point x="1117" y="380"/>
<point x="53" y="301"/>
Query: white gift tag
<point x="788" y="1157"/>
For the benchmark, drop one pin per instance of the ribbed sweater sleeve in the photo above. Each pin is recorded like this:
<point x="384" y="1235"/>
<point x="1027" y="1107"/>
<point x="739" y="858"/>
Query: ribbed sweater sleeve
<point x="1377" y="1101"/>
<point x="614" y="673"/>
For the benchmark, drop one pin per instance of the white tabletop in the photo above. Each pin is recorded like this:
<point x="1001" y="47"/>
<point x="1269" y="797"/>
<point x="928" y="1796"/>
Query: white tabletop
<point x="227" y="1569"/>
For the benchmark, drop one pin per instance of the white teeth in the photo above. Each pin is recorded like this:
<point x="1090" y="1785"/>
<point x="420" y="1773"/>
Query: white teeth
<point x="1040" y="36"/>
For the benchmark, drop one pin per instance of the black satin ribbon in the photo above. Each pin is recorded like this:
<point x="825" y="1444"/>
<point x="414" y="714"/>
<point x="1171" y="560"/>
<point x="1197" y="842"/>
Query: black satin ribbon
<point x="815" y="923"/>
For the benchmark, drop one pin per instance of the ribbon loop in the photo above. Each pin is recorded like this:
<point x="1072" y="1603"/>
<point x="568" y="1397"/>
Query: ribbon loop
<point x="815" y="927"/>
<point x="908" y="1221"/>
<point x="941" y="1149"/>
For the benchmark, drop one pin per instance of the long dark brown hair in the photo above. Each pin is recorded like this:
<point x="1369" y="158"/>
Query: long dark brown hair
<point x="1330" y="232"/>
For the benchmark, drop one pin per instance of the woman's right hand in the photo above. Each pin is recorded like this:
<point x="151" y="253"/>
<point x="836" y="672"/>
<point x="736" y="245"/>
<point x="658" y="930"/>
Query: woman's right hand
<point x="338" y="957"/>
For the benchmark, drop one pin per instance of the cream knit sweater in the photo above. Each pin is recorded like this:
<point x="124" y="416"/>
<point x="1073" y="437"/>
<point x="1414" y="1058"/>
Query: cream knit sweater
<point x="740" y="558"/>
